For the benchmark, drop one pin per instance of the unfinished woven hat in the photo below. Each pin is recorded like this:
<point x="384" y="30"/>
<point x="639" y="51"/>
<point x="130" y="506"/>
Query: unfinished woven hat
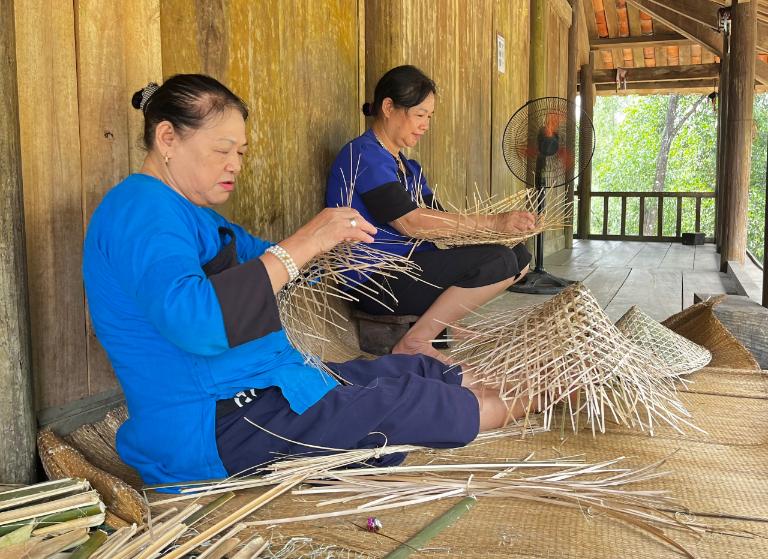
<point x="699" y="324"/>
<point x="558" y="213"/>
<point x="680" y="355"/>
<point x="566" y="350"/>
<point x="60" y="461"/>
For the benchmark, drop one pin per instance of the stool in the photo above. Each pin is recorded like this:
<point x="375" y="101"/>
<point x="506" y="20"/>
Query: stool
<point x="378" y="334"/>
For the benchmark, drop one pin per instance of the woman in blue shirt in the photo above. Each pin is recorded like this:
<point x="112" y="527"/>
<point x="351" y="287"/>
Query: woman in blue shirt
<point x="384" y="185"/>
<point x="183" y="301"/>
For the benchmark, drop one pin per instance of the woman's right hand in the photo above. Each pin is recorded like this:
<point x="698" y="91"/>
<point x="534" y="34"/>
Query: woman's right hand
<point x="336" y="225"/>
<point x="517" y="222"/>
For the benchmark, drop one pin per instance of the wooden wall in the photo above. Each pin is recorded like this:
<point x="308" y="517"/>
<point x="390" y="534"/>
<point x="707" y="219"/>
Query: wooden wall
<point x="78" y="62"/>
<point x="304" y="68"/>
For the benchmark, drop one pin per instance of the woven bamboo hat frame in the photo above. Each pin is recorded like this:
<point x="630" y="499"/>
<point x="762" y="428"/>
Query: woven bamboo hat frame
<point x="545" y="353"/>
<point x="680" y="355"/>
<point x="557" y="214"/>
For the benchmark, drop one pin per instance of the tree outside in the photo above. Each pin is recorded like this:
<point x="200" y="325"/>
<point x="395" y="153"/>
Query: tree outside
<point x="668" y="143"/>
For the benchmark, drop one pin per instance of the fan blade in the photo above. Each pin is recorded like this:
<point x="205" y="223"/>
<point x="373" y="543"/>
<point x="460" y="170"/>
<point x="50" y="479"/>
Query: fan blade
<point x="566" y="157"/>
<point x="529" y="152"/>
<point x="552" y="123"/>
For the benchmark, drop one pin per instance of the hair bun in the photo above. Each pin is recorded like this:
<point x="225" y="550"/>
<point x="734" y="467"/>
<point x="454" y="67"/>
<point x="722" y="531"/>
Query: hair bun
<point x="140" y="98"/>
<point x="367" y="109"/>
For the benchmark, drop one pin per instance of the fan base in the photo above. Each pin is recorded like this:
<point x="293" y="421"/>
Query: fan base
<point x="540" y="282"/>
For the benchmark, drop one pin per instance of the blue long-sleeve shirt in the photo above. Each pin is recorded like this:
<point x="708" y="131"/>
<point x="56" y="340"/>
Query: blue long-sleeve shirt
<point x="180" y="334"/>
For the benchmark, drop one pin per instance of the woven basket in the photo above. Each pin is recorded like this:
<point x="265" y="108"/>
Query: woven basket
<point x="568" y="346"/>
<point x="699" y="324"/>
<point x="60" y="460"/>
<point x="681" y="355"/>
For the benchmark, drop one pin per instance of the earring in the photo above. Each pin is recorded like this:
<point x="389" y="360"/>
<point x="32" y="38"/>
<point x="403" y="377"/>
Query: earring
<point x="166" y="159"/>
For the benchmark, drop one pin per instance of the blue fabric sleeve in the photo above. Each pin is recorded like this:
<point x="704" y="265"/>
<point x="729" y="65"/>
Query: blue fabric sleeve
<point x="156" y="262"/>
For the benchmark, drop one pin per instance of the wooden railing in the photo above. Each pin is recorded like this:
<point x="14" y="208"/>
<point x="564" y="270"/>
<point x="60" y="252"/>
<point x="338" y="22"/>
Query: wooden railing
<point x="642" y="196"/>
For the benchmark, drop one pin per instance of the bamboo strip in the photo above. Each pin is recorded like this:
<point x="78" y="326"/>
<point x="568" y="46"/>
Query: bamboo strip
<point x="153" y="532"/>
<point x="252" y="549"/>
<point x="213" y="551"/>
<point x="61" y="527"/>
<point x="46" y="548"/>
<point x="95" y="541"/>
<point x="115" y="542"/>
<point x="86" y="499"/>
<point x="56" y="518"/>
<point x="40" y="491"/>
<point x="236" y="516"/>
<point x="223" y="547"/>
<point x="162" y="541"/>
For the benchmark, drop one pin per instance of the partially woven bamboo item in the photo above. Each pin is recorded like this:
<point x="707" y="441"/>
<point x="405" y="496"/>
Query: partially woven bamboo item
<point x="543" y="354"/>
<point x="308" y="306"/>
<point x="556" y="215"/>
<point x="60" y="460"/>
<point x="680" y="355"/>
<point x="699" y="324"/>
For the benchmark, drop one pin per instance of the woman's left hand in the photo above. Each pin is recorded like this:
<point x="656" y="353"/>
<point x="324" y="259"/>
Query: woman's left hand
<point x="517" y="222"/>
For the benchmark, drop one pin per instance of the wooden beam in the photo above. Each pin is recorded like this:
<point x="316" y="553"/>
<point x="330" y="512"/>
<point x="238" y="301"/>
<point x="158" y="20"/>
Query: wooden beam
<point x="722" y="118"/>
<point x="537" y="70"/>
<point x="700" y="11"/>
<point x="563" y="10"/>
<point x="738" y="133"/>
<point x="656" y="87"/>
<point x="585" y="149"/>
<point x="660" y="74"/>
<point x="665" y="40"/>
<point x="583" y="36"/>
<point x="694" y="30"/>
<point x="17" y="418"/>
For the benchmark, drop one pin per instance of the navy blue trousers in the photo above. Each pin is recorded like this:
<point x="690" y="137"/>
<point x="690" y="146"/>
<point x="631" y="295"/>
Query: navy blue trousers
<point x="395" y="399"/>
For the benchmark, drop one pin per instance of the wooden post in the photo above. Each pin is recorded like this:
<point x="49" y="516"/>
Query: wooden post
<point x="765" y="239"/>
<point x="587" y="91"/>
<point x="738" y="132"/>
<point x="17" y="418"/>
<point x="537" y="65"/>
<point x="722" y="118"/>
<point x="573" y="71"/>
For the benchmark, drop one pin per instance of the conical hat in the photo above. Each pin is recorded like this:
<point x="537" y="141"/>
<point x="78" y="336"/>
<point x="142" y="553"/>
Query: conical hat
<point x="681" y="356"/>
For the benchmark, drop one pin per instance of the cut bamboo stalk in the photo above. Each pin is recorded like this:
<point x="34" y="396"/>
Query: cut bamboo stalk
<point x="209" y="508"/>
<point x="62" y="527"/>
<point x="19" y="549"/>
<point x="95" y="541"/>
<point x="115" y="542"/>
<point x="82" y="500"/>
<point x="223" y="547"/>
<point x="40" y="491"/>
<point x="163" y="541"/>
<point x="153" y="532"/>
<point x="252" y="549"/>
<point x="433" y="528"/>
<point x="213" y="553"/>
<point x="46" y="548"/>
<point x="236" y="516"/>
<point x="56" y="518"/>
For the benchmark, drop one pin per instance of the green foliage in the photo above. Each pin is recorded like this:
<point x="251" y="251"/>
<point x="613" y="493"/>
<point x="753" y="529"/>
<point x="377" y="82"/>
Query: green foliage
<point x="628" y="130"/>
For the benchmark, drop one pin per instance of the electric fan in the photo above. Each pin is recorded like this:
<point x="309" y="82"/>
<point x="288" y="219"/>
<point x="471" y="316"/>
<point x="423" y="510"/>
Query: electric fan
<point x="535" y="146"/>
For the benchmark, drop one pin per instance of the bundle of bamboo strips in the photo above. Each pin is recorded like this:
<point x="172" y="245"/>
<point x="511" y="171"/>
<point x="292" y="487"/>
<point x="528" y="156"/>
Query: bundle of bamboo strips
<point x="44" y="519"/>
<point x="466" y="226"/>
<point x="566" y="350"/>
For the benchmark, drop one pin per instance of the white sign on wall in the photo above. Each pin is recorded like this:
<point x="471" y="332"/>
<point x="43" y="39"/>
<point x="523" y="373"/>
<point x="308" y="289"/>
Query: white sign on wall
<point x="501" y="55"/>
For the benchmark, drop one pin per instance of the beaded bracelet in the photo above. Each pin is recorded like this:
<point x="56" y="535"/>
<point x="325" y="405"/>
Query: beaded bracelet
<point x="282" y="255"/>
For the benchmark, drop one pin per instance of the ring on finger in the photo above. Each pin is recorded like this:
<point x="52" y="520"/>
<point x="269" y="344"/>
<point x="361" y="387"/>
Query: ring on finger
<point x="352" y="222"/>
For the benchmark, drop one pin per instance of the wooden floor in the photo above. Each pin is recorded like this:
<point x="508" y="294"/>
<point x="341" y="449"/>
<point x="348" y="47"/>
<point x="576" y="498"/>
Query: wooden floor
<point x="660" y="278"/>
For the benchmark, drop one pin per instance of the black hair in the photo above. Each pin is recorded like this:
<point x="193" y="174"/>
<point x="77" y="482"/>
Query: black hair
<point x="407" y="86"/>
<point x="186" y="101"/>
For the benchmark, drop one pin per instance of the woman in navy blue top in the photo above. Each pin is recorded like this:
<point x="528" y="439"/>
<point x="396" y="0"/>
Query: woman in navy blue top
<point x="372" y="174"/>
<point x="183" y="301"/>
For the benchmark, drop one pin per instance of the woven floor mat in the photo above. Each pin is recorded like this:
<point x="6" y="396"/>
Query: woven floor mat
<point x="729" y="382"/>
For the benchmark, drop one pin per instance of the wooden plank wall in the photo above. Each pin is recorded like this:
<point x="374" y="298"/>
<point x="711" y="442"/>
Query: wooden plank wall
<point x="78" y="63"/>
<point x="295" y="63"/>
<point x="304" y="69"/>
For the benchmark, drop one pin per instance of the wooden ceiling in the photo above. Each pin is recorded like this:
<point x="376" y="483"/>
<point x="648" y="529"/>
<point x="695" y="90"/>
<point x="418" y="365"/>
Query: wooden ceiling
<point x="658" y="34"/>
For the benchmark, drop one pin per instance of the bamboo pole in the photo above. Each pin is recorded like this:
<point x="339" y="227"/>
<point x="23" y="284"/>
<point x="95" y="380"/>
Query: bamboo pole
<point x="738" y="132"/>
<point x="433" y="528"/>
<point x="722" y="119"/>
<point x="17" y="417"/>
<point x="587" y="92"/>
<point x="95" y="541"/>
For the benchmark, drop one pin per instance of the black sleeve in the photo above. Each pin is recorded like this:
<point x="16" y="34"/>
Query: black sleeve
<point x="247" y="303"/>
<point x="431" y="203"/>
<point x="388" y="202"/>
